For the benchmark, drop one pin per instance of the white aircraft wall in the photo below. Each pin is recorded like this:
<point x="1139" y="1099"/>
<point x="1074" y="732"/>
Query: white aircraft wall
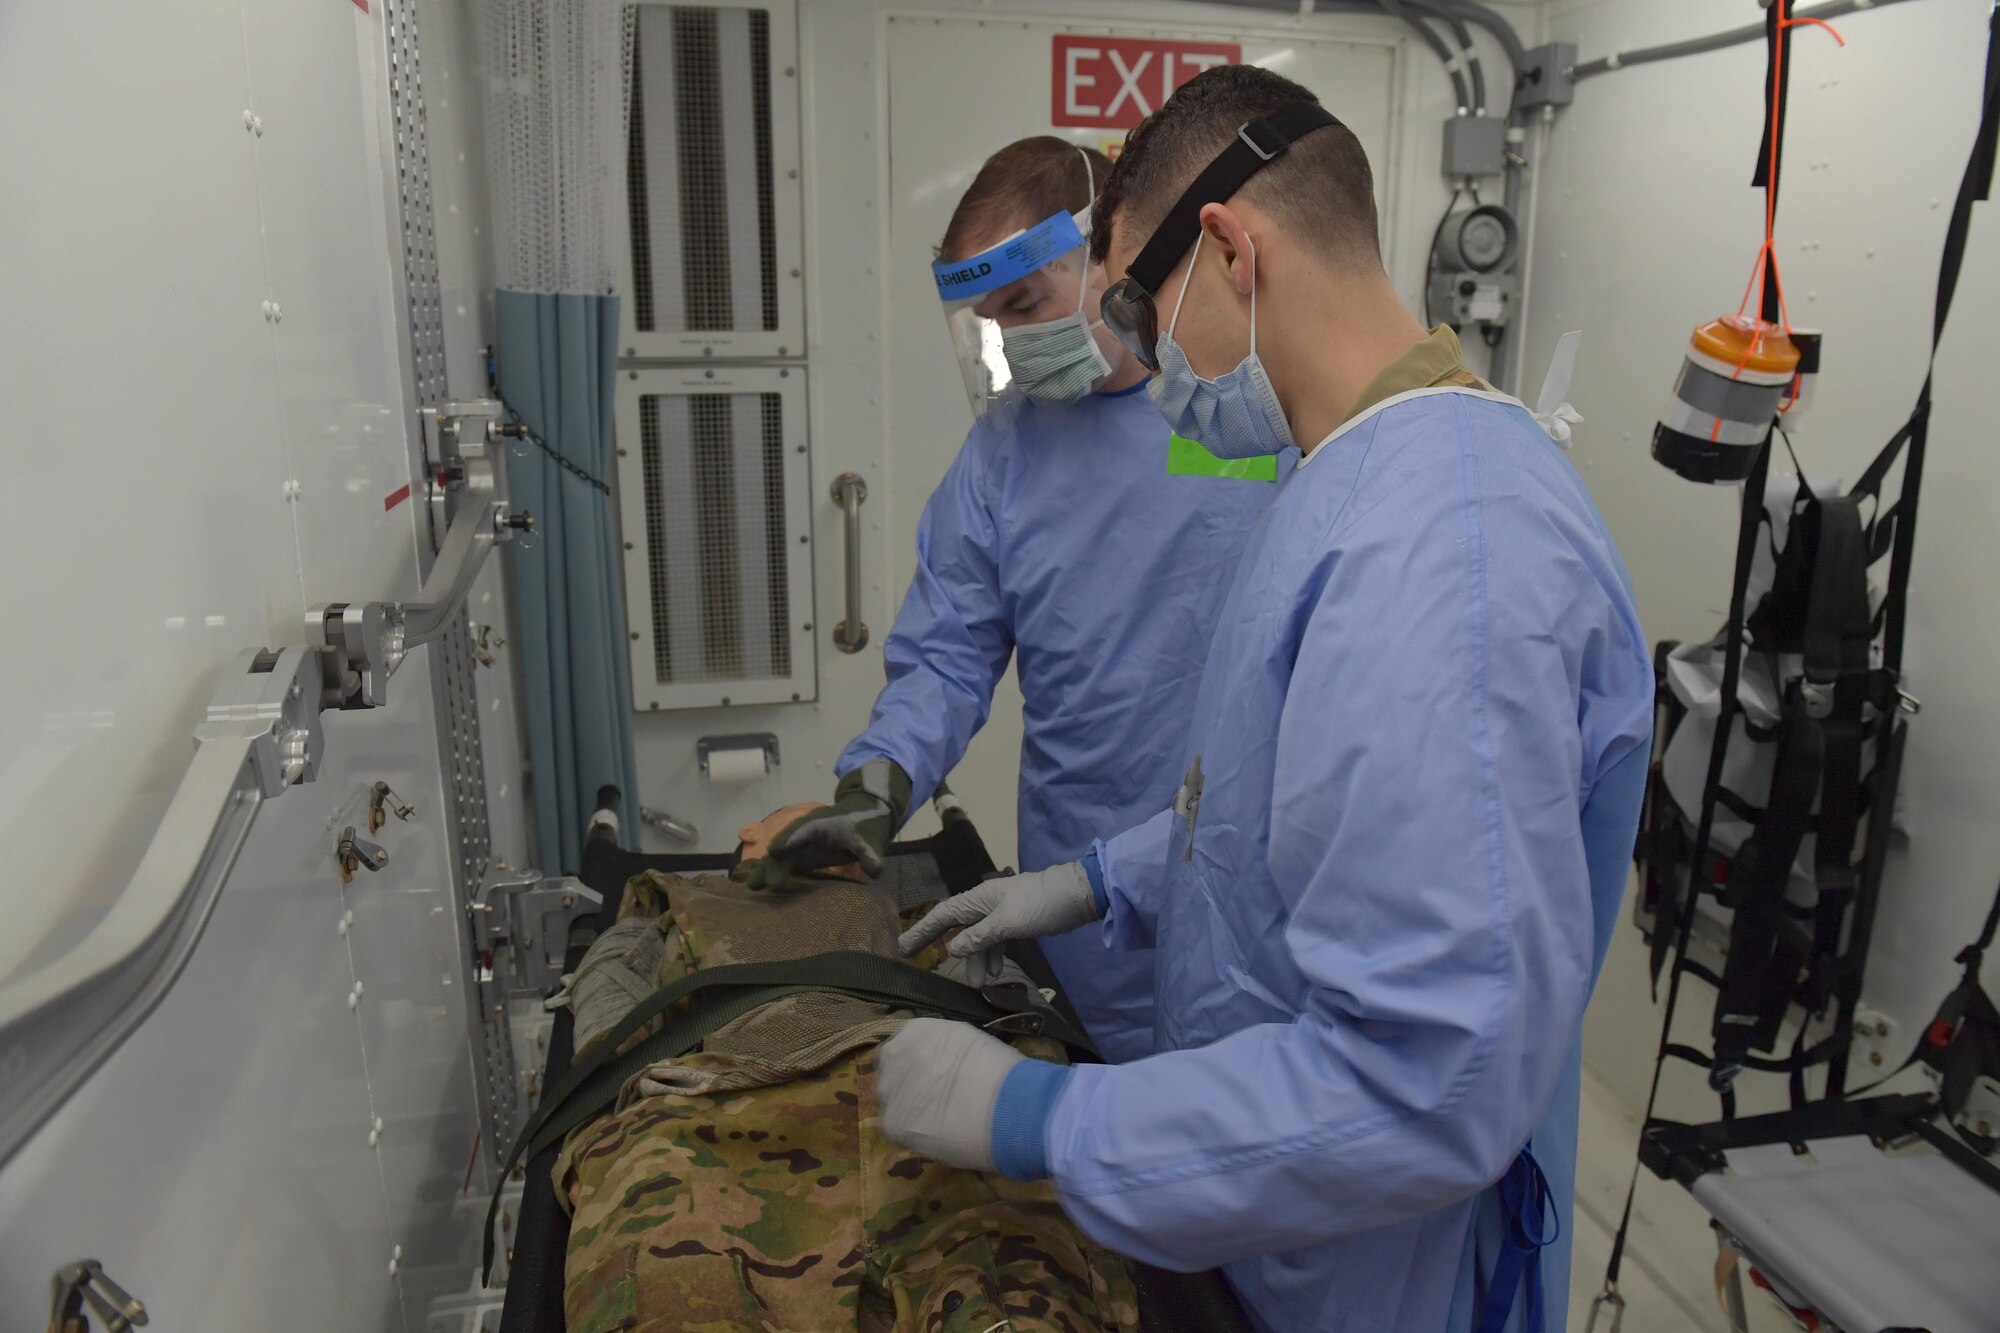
<point x="1648" y="227"/>
<point x="208" y="418"/>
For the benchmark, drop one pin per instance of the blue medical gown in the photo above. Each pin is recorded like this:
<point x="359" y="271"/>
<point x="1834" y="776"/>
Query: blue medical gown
<point x="1057" y="533"/>
<point x="1374" y="950"/>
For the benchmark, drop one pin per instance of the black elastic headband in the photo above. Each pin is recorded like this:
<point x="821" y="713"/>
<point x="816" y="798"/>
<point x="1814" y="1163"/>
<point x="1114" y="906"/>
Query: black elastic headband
<point x="1257" y="142"/>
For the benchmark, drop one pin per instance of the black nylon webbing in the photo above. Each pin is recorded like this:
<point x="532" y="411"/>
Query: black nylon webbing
<point x="1778" y="72"/>
<point x="1764" y="957"/>
<point x="1975" y="185"/>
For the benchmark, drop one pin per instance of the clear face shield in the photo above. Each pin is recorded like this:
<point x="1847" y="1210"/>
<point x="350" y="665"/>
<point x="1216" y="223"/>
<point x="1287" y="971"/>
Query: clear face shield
<point x="1015" y="312"/>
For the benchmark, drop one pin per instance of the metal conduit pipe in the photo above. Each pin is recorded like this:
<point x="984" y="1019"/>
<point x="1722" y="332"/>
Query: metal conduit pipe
<point x="1398" y="10"/>
<point x="1447" y="10"/>
<point x="1749" y="32"/>
<point x="1468" y="52"/>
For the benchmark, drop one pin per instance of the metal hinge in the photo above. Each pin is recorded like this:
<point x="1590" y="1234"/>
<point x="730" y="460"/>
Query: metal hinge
<point x="84" y="1283"/>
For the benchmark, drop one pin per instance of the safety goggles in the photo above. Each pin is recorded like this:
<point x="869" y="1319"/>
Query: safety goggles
<point x="1128" y="308"/>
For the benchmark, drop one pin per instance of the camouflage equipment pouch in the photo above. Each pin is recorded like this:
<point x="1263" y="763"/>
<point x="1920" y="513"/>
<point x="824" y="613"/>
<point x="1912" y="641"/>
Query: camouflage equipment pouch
<point x="714" y="921"/>
<point x="621" y="968"/>
<point x="785" y="1209"/>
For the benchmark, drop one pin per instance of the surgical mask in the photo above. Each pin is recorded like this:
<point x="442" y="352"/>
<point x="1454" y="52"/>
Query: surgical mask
<point x="1055" y="362"/>
<point x="1235" y="415"/>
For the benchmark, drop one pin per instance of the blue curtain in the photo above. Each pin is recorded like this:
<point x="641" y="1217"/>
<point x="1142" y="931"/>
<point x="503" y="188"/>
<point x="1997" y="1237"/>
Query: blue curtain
<point x="556" y="364"/>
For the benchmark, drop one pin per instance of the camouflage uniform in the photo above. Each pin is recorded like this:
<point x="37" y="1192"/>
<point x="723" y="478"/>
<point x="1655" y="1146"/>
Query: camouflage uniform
<point x="780" y="1206"/>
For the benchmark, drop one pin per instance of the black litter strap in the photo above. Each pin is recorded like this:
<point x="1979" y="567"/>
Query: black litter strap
<point x="1973" y="187"/>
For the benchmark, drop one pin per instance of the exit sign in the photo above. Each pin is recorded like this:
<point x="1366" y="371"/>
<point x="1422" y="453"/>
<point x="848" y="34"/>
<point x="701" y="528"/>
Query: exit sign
<point x="1113" y="83"/>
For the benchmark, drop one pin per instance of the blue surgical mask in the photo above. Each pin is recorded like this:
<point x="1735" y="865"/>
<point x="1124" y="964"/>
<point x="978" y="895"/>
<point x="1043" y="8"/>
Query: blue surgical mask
<point x="1235" y="415"/>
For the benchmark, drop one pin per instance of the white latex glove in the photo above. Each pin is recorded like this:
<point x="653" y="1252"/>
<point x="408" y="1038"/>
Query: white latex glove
<point x="938" y="1081"/>
<point x="1025" y="907"/>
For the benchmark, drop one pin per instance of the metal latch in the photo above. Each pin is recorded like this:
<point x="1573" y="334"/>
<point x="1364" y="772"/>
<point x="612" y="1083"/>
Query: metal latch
<point x="530" y="918"/>
<point x="1026" y="1013"/>
<point x="355" y="852"/>
<point x="382" y="803"/>
<point x="84" y="1283"/>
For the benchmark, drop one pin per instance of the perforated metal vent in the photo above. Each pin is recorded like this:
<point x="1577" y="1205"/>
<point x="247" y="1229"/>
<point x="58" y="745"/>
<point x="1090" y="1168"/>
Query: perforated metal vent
<point x="714" y="468"/>
<point x="699" y="170"/>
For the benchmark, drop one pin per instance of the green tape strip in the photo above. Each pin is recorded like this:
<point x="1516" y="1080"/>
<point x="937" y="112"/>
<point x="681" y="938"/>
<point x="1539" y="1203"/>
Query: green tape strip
<point x="1187" y="458"/>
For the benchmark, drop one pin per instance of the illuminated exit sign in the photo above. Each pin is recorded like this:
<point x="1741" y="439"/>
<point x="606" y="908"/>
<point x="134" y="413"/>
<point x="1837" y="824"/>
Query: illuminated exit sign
<point x="1113" y="83"/>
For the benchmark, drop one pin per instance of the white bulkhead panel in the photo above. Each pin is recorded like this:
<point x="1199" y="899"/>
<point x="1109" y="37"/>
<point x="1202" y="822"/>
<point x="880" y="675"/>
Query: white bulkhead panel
<point x="210" y="429"/>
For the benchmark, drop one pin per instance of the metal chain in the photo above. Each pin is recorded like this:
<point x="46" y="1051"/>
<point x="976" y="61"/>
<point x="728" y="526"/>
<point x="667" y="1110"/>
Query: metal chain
<point x="520" y="429"/>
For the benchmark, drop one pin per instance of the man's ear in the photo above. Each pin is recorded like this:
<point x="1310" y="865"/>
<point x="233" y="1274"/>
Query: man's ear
<point x="1230" y="242"/>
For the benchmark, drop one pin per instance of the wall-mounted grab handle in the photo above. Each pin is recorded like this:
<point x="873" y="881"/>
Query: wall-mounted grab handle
<point x="851" y="635"/>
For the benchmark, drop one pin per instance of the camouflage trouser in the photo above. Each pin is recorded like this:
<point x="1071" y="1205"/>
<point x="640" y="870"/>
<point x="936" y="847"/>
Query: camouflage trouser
<point x="785" y="1210"/>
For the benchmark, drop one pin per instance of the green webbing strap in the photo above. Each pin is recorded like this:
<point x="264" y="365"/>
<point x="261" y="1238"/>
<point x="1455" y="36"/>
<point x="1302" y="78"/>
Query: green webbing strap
<point x="722" y="995"/>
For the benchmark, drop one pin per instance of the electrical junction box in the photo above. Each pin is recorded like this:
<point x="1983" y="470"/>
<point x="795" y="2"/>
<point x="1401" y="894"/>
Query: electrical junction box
<point x="1550" y="76"/>
<point x="1475" y="146"/>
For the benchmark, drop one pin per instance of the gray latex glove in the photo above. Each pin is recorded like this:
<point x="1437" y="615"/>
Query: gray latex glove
<point x="938" y="1082"/>
<point x="1025" y="907"/>
<point x="868" y="807"/>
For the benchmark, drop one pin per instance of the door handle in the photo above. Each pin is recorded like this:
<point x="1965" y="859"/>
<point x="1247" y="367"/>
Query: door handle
<point x="851" y="635"/>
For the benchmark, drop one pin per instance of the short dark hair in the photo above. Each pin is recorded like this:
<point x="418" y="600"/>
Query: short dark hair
<point x="1321" y="189"/>
<point x="1028" y="180"/>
